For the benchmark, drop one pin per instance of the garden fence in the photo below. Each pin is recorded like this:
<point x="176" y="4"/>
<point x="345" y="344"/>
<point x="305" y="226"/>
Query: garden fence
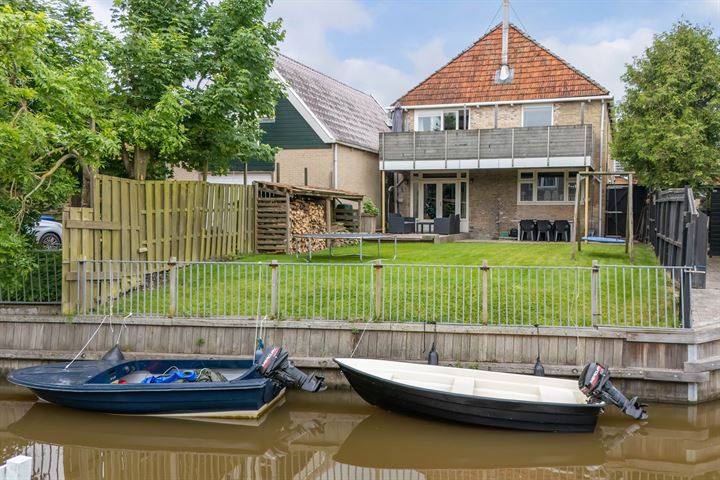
<point x="41" y="285"/>
<point x="600" y="295"/>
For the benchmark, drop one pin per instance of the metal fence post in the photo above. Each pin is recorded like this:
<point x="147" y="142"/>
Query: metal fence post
<point x="81" y="287"/>
<point x="274" y="288"/>
<point x="378" y="288"/>
<point x="485" y="268"/>
<point x="173" y="290"/>
<point x="595" y="293"/>
<point x="686" y="292"/>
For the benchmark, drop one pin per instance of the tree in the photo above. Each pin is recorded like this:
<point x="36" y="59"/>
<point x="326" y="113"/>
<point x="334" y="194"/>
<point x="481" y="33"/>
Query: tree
<point x="192" y="80"/>
<point x="53" y="86"/>
<point x="669" y="122"/>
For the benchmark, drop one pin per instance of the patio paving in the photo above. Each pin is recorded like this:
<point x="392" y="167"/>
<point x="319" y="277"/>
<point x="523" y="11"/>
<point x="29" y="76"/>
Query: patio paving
<point x="706" y="302"/>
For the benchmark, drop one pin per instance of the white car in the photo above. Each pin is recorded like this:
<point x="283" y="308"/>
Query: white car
<point x="48" y="233"/>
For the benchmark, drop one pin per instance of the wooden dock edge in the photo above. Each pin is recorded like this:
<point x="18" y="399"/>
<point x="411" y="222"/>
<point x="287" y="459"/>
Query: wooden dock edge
<point x="673" y="366"/>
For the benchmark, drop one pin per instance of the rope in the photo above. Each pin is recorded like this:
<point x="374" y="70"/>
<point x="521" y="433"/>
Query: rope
<point x="86" y="343"/>
<point x="122" y="327"/>
<point x="360" y="339"/>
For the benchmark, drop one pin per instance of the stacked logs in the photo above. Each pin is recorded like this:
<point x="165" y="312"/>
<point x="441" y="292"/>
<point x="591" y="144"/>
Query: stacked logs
<point x="306" y="216"/>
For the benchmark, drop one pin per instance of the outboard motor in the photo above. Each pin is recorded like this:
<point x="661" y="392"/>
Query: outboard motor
<point x="276" y="365"/>
<point x="595" y="383"/>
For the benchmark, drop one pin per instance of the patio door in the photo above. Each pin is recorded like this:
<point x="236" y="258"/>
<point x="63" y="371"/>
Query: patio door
<point x="442" y="197"/>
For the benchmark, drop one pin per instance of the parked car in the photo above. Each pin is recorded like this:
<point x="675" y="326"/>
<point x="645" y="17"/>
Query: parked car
<point x="48" y="233"/>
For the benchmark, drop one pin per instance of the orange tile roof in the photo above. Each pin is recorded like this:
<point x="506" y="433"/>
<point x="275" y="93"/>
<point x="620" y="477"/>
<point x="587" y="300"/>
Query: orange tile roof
<point x="470" y="77"/>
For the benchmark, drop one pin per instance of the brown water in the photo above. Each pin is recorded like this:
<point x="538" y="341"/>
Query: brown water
<point x="335" y="435"/>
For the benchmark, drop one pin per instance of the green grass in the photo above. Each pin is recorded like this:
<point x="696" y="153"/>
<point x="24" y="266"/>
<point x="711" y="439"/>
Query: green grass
<point x="341" y="288"/>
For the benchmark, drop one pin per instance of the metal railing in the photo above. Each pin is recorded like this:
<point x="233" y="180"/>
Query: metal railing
<point x="600" y="295"/>
<point x="42" y="285"/>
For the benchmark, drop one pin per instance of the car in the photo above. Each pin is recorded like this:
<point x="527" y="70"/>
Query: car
<point x="48" y="233"/>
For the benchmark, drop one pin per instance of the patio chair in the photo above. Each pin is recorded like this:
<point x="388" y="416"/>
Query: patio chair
<point x="562" y="229"/>
<point x="399" y="224"/>
<point x="527" y="228"/>
<point x="543" y="228"/>
<point x="447" y="225"/>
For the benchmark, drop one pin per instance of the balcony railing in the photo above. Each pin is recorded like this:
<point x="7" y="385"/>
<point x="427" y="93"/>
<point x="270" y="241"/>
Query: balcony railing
<point x="528" y="147"/>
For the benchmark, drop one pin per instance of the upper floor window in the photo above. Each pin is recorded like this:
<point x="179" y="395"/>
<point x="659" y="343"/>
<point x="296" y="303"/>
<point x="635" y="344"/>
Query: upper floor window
<point x="537" y="115"/>
<point x="435" y="121"/>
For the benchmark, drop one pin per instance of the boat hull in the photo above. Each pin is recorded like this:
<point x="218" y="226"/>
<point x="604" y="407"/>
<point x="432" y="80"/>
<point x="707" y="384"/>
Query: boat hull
<point x="89" y="386"/>
<point x="484" y="411"/>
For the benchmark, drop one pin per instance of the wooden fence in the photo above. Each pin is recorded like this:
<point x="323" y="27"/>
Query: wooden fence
<point x="131" y="220"/>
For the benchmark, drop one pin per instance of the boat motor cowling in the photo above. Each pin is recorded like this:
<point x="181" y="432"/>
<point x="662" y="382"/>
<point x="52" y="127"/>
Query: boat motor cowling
<point x="595" y="383"/>
<point x="275" y="364"/>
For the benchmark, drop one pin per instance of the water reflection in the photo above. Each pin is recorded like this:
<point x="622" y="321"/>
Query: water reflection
<point x="336" y="436"/>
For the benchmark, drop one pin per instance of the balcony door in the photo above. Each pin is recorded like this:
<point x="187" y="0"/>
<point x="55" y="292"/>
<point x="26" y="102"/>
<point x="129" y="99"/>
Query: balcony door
<point x="442" y="197"/>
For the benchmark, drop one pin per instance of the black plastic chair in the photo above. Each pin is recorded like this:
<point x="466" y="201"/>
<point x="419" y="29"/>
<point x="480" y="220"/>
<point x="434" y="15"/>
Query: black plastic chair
<point x="562" y="229"/>
<point x="399" y="224"/>
<point x="543" y="228"/>
<point x="527" y="227"/>
<point x="447" y="225"/>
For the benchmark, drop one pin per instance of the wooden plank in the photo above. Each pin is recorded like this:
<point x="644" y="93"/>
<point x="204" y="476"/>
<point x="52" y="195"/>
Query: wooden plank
<point x="149" y="220"/>
<point x="92" y="225"/>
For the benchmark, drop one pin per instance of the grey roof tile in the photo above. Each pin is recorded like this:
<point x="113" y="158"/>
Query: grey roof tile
<point x="352" y="117"/>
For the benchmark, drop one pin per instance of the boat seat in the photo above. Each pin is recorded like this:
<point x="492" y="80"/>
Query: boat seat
<point x="557" y="395"/>
<point x="464" y="385"/>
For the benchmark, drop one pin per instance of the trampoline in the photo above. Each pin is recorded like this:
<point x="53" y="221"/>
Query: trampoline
<point x="331" y="237"/>
<point x="604" y="239"/>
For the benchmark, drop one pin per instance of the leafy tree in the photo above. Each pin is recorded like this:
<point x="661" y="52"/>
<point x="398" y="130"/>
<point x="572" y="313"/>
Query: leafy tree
<point x="193" y="78"/>
<point x="53" y="85"/>
<point x="669" y="123"/>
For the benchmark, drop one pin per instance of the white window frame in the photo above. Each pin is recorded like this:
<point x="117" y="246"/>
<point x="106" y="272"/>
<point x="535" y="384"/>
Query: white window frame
<point x="566" y="186"/>
<point x="537" y="106"/>
<point x="441" y="113"/>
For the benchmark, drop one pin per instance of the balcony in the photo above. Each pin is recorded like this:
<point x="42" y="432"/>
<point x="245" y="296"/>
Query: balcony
<point x="529" y="147"/>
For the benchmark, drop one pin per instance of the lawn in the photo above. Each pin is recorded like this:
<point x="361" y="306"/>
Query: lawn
<point x="527" y="284"/>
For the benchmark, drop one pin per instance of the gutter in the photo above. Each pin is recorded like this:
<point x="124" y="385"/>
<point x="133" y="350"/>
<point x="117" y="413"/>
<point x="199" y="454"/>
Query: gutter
<point x="508" y="102"/>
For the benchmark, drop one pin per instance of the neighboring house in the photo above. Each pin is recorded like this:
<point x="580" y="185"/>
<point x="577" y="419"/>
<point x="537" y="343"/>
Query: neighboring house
<point x="497" y="135"/>
<point x="327" y="133"/>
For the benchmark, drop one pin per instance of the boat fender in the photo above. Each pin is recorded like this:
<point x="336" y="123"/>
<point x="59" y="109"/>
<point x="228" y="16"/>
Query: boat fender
<point x="259" y="352"/>
<point x="433" y="358"/>
<point x="114" y="355"/>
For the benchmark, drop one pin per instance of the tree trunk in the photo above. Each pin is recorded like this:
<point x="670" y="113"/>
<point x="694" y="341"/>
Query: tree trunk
<point x="140" y="163"/>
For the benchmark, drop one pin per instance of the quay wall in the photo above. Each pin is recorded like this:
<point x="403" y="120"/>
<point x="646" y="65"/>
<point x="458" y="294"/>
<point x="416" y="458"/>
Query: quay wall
<point x="658" y="365"/>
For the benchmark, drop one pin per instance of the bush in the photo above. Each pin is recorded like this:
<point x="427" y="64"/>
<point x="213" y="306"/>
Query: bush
<point x="369" y="208"/>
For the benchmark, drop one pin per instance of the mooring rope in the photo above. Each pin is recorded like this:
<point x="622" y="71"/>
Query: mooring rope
<point x="86" y="343"/>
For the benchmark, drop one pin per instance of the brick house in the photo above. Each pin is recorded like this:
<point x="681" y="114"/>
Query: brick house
<point x="327" y="133"/>
<point x="497" y="135"/>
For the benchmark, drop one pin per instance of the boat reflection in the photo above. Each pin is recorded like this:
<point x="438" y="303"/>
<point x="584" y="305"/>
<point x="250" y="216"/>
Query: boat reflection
<point x="337" y="436"/>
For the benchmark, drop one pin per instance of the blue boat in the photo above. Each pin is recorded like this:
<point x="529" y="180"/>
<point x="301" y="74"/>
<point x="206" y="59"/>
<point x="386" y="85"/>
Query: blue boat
<point x="181" y="387"/>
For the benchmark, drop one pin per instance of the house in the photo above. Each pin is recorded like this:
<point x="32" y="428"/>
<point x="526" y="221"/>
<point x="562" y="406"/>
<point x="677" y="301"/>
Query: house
<point x="498" y="135"/>
<point x="327" y="133"/>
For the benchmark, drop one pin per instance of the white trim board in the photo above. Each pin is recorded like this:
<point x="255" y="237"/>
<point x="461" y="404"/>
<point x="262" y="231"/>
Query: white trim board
<point x="321" y="130"/>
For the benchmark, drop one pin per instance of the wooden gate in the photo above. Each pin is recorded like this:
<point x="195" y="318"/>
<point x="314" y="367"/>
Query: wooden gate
<point x="130" y="220"/>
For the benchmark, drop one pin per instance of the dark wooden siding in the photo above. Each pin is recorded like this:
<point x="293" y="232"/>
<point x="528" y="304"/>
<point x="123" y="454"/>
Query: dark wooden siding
<point x="290" y="130"/>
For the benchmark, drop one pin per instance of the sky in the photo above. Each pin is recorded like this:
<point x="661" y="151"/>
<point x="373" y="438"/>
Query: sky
<point x="386" y="47"/>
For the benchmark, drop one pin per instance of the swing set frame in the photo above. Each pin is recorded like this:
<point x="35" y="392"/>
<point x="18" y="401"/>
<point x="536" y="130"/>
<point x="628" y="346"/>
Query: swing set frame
<point x="576" y="237"/>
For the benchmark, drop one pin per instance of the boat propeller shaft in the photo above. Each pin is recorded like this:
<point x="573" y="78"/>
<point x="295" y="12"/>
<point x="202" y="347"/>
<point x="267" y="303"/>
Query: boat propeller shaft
<point x="595" y="383"/>
<point x="275" y="364"/>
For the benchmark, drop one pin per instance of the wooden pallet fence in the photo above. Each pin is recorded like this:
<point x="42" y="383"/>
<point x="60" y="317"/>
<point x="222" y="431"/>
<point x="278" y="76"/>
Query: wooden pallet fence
<point x="153" y="221"/>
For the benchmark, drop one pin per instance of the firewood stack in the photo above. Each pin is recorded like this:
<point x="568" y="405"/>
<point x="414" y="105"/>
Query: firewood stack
<point x="308" y="216"/>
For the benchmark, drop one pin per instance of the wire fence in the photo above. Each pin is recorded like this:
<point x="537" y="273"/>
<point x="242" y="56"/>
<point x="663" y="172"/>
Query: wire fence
<point x="601" y="295"/>
<point x="41" y="285"/>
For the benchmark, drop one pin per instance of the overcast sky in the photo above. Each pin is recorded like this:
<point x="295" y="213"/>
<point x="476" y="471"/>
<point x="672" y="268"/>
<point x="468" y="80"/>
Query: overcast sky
<point x="385" y="47"/>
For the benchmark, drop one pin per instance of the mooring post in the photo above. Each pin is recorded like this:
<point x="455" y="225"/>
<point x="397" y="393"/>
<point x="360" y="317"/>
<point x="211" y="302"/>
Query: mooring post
<point x="172" y="280"/>
<point x="594" y="292"/>
<point x="274" y="288"/>
<point x="17" y="468"/>
<point x="378" y="266"/>
<point x="485" y="268"/>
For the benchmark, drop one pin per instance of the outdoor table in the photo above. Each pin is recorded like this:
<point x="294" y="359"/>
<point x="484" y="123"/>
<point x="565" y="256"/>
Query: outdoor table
<point x="350" y="236"/>
<point x="421" y="224"/>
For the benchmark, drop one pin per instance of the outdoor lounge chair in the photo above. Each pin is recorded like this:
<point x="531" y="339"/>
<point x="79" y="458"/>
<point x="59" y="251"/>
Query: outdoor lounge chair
<point x="543" y="228"/>
<point x="562" y="229"/>
<point x="527" y="229"/>
<point x="447" y="225"/>
<point x="399" y="224"/>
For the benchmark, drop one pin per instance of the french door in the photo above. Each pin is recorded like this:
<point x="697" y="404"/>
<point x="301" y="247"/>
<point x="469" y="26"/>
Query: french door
<point x="442" y="198"/>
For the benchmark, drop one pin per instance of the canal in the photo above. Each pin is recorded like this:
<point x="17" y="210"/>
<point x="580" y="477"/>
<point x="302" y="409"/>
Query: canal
<point x="335" y="435"/>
